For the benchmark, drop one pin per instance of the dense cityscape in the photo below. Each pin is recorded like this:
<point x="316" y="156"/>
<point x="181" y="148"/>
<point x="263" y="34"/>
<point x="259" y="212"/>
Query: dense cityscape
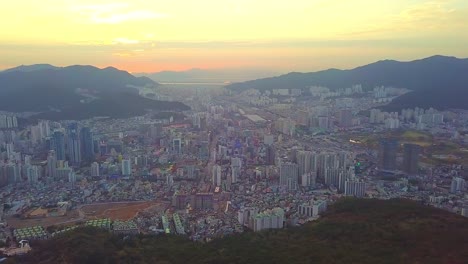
<point x="237" y="161"/>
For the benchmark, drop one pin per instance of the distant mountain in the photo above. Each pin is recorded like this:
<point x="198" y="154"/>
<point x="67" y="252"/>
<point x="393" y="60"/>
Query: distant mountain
<point x="208" y="76"/>
<point x="69" y="92"/>
<point x="438" y="81"/>
<point x="352" y="231"/>
<point x="30" y="68"/>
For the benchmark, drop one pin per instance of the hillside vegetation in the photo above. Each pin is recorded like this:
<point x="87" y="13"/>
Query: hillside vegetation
<point x="352" y="231"/>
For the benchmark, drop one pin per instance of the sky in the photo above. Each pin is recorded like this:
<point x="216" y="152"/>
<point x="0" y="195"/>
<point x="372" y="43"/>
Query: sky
<point x="278" y="35"/>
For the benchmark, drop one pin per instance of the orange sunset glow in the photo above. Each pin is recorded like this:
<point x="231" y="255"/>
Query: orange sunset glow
<point x="298" y="35"/>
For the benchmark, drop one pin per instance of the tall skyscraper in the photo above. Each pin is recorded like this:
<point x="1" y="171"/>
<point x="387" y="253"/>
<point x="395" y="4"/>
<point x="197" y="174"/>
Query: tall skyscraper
<point x="387" y="154"/>
<point x="58" y="144"/>
<point x="411" y="158"/>
<point x="289" y="175"/>
<point x="126" y="167"/>
<point x="52" y="165"/>
<point x="74" y="144"/>
<point x="216" y="175"/>
<point x="87" y="144"/>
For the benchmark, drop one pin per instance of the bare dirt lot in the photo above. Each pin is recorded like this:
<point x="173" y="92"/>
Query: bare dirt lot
<point x="114" y="211"/>
<point x="118" y="211"/>
<point x="70" y="217"/>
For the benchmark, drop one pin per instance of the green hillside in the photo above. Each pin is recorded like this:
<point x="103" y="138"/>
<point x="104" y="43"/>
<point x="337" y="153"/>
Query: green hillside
<point x="352" y="231"/>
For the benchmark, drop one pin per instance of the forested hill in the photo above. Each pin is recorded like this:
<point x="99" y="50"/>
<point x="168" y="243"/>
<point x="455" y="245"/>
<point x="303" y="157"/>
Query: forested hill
<point x="353" y="231"/>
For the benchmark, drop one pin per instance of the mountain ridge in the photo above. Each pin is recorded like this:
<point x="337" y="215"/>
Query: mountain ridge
<point x="440" y="76"/>
<point x="207" y="75"/>
<point x="68" y="92"/>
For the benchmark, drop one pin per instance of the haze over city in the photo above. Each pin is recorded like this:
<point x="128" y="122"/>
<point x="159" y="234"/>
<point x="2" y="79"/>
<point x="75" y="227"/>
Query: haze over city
<point x="281" y="36"/>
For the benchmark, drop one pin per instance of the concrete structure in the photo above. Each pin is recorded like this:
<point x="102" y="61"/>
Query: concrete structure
<point x="458" y="184"/>
<point x="387" y="154"/>
<point x="126" y="167"/>
<point x="355" y="188"/>
<point x="268" y="219"/>
<point x="216" y="175"/>
<point x="95" y="169"/>
<point x="289" y="176"/>
<point x="411" y="158"/>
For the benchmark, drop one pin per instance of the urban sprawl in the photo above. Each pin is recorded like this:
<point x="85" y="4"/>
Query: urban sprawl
<point x="237" y="161"/>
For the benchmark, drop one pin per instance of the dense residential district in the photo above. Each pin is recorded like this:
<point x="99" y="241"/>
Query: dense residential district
<point x="249" y="160"/>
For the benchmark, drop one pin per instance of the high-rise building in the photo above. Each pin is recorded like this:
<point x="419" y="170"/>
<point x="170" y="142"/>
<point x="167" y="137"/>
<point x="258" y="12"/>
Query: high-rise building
<point x="58" y="144"/>
<point x="289" y="176"/>
<point x="458" y="184"/>
<point x="216" y="175"/>
<point x="52" y="165"/>
<point x="270" y="155"/>
<point x="87" y="144"/>
<point x="74" y="144"/>
<point x="177" y="145"/>
<point x="10" y="149"/>
<point x="126" y="167"/>
<point x="309" y="179"/>
<point x="343" y="159"/>
<point x="36" y="134"/>
<point x="169" y="179"/>
<point x="387" y="154"/>
<point x="141" y="161"/>
<point x="95" y="169"/>
<point x="411" y="158"/>
<point x="244" y="215"/>
<point x="32" y="173"/>
<point x="203" y="201"/>
<point x="355" y="188"/>
<point x="345" y="118"/>
<point x="13" y="173"/>
<point x="304" y="161"/>
<point x="236" y="166"/>
<point x="312" y="209"/>
<point x="269" y="219"/>
<point x="336" y="177"/>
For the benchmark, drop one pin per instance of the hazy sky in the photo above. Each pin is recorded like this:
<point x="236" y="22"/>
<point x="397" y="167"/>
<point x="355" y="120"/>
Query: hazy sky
<point x="280" y="35"/>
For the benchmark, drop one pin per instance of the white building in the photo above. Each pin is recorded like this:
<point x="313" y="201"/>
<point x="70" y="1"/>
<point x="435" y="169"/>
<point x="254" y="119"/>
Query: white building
<point x="268" y="219"/>
<point x="355" y="188"/>
<point x="313" y="209"/>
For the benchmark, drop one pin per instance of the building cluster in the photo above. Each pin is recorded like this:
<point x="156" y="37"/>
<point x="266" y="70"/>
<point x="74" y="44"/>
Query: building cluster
<point x="8" y="121"/>
<point x="254" y="159"/>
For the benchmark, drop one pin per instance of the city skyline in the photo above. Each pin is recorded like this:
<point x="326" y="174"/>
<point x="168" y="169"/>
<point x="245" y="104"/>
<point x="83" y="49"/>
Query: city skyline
<point x="142" y="36"/>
